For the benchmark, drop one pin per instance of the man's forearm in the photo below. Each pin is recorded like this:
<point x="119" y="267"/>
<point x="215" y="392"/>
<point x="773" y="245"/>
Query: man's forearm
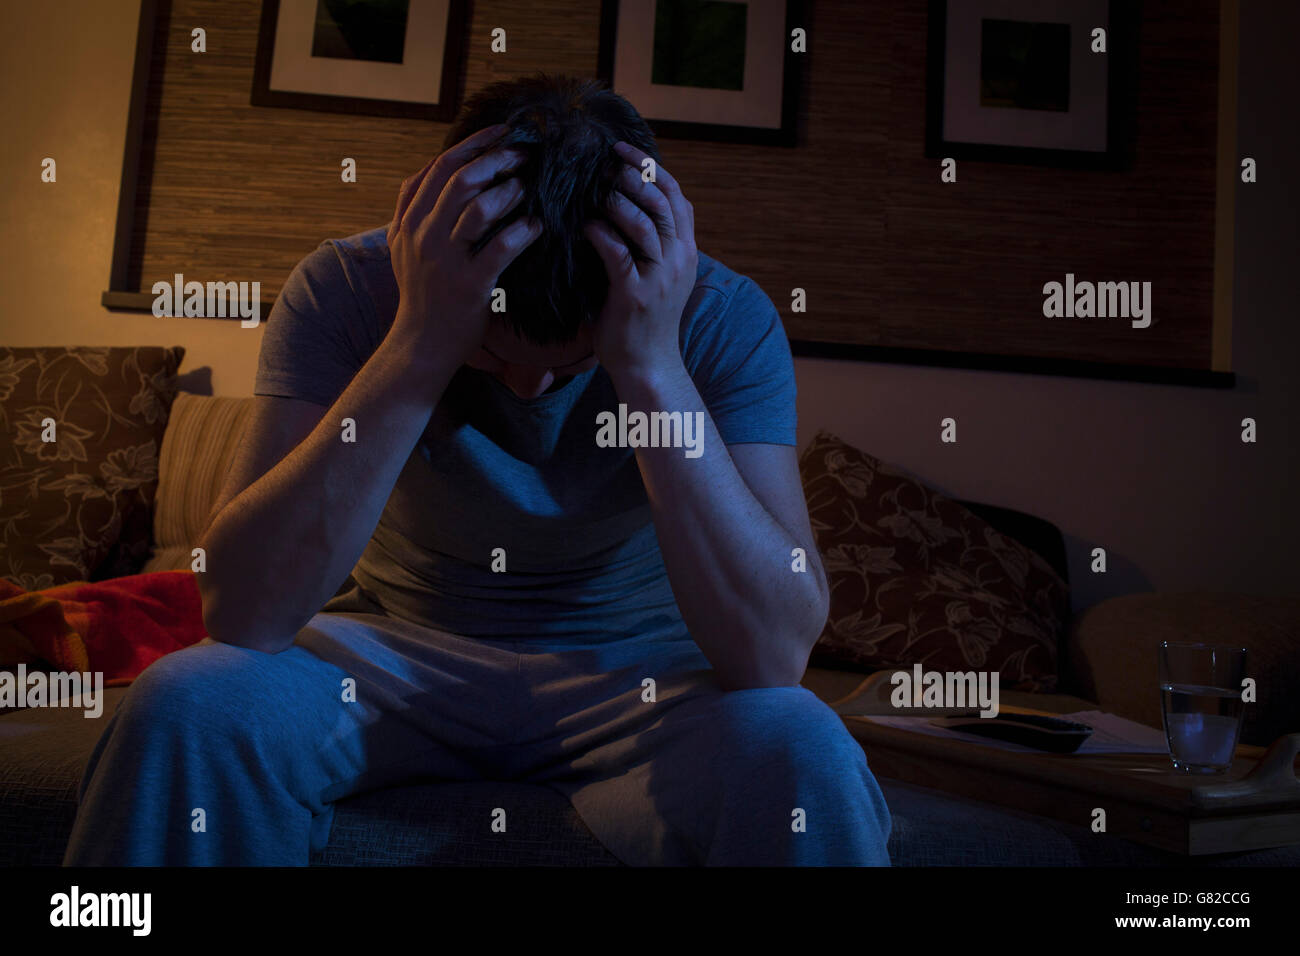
<point x="280" y="549"/>
<point x="728" y="559"/>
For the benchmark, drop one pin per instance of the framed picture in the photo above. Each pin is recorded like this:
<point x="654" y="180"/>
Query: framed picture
<point x="1048" y="82"/>
<point x="721" y="70"/>
<point x="371" y="57"/>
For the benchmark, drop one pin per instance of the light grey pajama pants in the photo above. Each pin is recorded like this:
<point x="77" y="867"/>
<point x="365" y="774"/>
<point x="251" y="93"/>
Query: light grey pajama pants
<point x="263" y="744"/>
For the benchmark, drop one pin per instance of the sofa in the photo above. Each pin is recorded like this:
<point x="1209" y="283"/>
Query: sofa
<point x="43" y="751"/>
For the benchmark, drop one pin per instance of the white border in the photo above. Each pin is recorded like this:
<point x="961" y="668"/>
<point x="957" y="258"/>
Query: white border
<point x="1084" y="127"/>
<point x="758" y="103"/>
<point x="417" y="79"/>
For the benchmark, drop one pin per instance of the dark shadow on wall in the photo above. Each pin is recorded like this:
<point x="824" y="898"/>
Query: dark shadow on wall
<point x="197" y="381"/>
<point x="1087" y="587"/>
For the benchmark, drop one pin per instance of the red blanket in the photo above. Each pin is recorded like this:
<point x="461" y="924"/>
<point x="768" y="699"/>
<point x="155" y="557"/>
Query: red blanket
<point x="119" y="626"/>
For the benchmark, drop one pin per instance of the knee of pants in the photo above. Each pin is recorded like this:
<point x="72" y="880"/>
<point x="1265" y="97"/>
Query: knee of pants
<point x="199" y="690"/>
<point x="790" y="728"/>
<point x="787" y="737"/>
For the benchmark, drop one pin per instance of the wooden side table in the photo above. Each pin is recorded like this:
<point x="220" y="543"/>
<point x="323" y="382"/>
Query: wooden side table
<point x="1256" y="805"/>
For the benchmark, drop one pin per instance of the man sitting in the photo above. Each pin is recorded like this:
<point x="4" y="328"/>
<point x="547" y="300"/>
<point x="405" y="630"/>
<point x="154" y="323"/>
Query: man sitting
<point x="425" y="565"/>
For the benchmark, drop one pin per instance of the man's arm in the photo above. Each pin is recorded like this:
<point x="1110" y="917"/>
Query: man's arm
<point x="728" y="520"/>
<point x="280" y="548"/>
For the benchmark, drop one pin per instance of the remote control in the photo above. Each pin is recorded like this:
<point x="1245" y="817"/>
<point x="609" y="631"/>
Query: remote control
<point x="1040" y="731"/>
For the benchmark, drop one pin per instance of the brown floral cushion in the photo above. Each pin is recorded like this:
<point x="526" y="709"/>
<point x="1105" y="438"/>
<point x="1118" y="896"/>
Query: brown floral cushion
<point x="81" y="503"/>
<point x="916" y="578"/>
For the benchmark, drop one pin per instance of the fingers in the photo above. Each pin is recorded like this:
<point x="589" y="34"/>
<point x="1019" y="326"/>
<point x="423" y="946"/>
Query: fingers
<point x="464" y="185"/>
<point x="448" y="163"/>
<point x="462" y="151"/>
<point x="644" y="231"/>
<point x="613" y="252"/>
<point x="656" y="216"/>
<point x="404" y="194"/>
<point x="506" y="246"/>
<point x="683" y="213"/>
<point x="485" y="209"/>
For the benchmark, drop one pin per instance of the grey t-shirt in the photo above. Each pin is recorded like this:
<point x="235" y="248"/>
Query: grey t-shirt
<point x="495" y="471"/>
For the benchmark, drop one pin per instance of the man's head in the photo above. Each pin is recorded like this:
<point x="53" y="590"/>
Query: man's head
<point x="566" y="126"/>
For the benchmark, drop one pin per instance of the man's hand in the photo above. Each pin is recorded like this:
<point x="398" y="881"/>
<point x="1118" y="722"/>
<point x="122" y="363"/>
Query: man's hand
<point x="442" y="210"/>
<point x="275" y="560"/>
<point x="636" y="333"/>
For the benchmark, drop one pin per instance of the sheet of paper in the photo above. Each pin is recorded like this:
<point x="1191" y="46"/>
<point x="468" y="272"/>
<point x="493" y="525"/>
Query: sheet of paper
<point x="1110" y="734"/>
<point x="1115" y="735"/>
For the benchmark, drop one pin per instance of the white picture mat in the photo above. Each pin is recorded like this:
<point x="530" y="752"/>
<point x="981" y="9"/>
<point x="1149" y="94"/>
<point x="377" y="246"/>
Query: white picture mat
<point x="417" y="79"/>
<point x="1084" y="127"/>
<point x="757" y="104"/>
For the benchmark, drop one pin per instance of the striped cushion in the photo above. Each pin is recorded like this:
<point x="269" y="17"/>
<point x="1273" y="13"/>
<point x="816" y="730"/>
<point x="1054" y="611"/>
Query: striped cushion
<point x="198" y="449"/>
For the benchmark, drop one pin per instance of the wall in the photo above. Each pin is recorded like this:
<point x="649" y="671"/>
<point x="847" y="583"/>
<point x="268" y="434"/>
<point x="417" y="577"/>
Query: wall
<point x="66" y="67"/>
<point x="855" y="216"/>
<point x="1156" y="474"/>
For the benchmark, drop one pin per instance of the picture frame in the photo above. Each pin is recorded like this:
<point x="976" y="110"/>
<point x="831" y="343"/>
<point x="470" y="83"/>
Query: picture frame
<point x="395" y="58"/>
<point x="725" y="89"/>
<point x="1016" y="81"/>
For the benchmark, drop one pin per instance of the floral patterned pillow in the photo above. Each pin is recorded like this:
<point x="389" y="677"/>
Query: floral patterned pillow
<point x="82" y="429"/>
<point x="916" y="578"/>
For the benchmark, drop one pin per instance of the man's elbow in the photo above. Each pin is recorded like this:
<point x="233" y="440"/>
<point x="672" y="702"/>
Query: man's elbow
<point x="783" y="659"/>
<point x="781" y="664"/>
<point x="819" y="605"/>
<point x="230" y="623"/>
<point x="808" y="628"/>
<point x="217" y="621"/>
<point x="761" y="675"/>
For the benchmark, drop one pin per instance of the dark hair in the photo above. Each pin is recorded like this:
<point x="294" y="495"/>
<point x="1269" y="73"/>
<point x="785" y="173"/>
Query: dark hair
<point x="566" y="127"/>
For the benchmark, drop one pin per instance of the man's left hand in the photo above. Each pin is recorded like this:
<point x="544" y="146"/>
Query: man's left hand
<point x="637" y="331"/>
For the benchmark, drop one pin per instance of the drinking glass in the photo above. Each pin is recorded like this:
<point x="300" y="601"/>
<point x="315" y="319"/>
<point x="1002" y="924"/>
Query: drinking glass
<point x="1200" y="702"/>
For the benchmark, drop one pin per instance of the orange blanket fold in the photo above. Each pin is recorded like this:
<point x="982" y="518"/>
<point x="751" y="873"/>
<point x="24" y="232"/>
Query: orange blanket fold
<point x="119" y="626"/>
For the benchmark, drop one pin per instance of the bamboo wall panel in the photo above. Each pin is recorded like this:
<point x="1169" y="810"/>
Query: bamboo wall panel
<point x="856" y="215"/>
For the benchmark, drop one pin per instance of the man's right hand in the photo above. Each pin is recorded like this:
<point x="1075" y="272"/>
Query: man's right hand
<point x="301" y="505"/>
<point x="444" y="287"/>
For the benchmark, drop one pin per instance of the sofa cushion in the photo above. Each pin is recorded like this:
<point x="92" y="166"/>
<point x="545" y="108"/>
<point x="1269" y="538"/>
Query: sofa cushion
<point x="917" y="578"/>
<point x="80" y="505"/>
<point x="449" y="824"/>
<point x="1113" y="656"/>
<point x="197" y="451"/>
<point x="1035" y="533"/>
<point x="43" y="752"/>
